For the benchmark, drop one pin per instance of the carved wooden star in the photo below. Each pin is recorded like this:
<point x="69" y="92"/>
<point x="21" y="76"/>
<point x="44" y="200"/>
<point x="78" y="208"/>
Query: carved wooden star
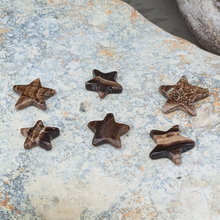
<point x="170" y="144"/>
<point x="108" y="131"/>
<point x="33" y="94"/>
<point x="39" y="135"/>
<point x="182" y="96"/>
<point x="104" y="83"/>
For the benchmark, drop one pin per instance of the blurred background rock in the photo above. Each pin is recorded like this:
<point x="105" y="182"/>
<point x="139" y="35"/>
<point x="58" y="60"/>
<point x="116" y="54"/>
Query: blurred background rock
<point x="166" y="15"/>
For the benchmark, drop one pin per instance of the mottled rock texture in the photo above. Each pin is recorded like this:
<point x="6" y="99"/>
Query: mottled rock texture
<point x="61" y="42"/>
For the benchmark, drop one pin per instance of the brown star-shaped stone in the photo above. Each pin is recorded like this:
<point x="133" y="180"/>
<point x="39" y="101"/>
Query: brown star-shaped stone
<point x="32" y="94"/>
<point x="108" y="131"/>
<point x="182" y="96"/>
<point x="104" y="83"/>
<point x="170" y="144"/>
<point x="39" y="135"/>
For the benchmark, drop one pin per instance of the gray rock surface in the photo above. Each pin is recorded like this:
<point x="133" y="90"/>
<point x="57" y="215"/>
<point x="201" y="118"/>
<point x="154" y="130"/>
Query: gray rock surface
<point x="61" y="42"/>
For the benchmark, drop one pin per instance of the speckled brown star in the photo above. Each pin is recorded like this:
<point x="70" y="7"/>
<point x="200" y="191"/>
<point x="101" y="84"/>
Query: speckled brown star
<point x="170" y="144"/>
<point x="39" y="135"/>
<point x="108" y="131"/>
<point x="104" y="83"/>
<point x="33" y="94"/>
<point x="182" y="96"/>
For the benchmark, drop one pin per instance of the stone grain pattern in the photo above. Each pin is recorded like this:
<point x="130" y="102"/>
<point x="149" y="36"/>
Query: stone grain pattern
<point x="203" y="18"/>
<point x="61" y="42"/>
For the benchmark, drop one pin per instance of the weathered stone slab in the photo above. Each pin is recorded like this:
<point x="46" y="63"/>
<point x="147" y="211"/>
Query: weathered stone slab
<point x="61" y="42"/>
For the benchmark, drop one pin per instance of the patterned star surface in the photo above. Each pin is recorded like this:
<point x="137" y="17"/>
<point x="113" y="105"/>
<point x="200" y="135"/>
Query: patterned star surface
<point x="170" y="144"/>
<point x="108" y="131"/>
<point x="32" y="94"/>
<point x="104" y="83"/>
<point x="39" y="135"/>
<point x="182" y="96"/>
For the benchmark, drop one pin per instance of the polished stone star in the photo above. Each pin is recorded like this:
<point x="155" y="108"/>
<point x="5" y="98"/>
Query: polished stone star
<point x="170" y="144"/>
<point x="182" y="96"/>
<point x="33" y="94"/>
<point x="39" y="135"/>
<point x="108" y="131"/>
<point x="104" y="83"/>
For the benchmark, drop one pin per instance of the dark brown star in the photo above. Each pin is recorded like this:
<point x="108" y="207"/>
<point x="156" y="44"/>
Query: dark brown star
<point x="170" y="144"/>
<point x="32" y="94"/>
<point x="104" y="83"/>
<point x="108" y="131"/>
<point x="39" y="135"/>
<point x="182" y="96"/>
